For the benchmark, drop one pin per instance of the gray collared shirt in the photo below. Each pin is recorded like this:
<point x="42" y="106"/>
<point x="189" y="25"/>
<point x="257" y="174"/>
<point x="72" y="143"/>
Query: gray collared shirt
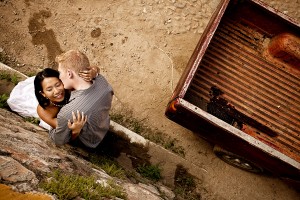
<point x="95" y="102"/>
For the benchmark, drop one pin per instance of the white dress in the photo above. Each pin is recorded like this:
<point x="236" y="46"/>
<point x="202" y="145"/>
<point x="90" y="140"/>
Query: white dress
<point x="23" y="101"/>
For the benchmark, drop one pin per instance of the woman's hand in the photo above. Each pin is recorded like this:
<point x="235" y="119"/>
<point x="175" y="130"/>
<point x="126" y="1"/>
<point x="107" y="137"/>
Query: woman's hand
<point x="90" y="73"/>
<point x="77" y="124"/>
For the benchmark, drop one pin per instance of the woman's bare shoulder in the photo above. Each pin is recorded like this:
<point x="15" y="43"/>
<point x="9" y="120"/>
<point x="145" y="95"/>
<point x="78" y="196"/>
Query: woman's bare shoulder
<point x="48" y="115"/>
<point x="49" y="111"/>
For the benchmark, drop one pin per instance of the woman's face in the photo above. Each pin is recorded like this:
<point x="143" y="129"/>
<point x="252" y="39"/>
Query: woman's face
<point x="53" y="89"/>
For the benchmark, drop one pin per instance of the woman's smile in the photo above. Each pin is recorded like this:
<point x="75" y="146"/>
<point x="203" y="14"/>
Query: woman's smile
<point x="53" y="89"/>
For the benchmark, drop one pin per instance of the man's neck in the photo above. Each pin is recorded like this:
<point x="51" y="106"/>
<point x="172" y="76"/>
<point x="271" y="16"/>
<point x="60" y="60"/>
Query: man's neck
<point x="82" y="84"/>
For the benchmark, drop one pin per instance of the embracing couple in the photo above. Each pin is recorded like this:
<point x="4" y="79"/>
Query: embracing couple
<point x="75" y="101"/>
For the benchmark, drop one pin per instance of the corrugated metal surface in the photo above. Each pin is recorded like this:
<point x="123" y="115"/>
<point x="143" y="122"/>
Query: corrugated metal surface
<point x="255" y="88"/>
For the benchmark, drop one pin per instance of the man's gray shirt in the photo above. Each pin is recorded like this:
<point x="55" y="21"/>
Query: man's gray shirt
<point x="95" y="102"/>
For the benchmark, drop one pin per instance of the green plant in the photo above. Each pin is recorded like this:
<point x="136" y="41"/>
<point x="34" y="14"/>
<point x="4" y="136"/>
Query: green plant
<point x="186" y="182"/>
<point x="113" y="170"/>
<point x="14" y="79"/>
<point x="171" y="145"/>
<point x="135" y="177"/>
<point x="9" y="77"/>
<point x="185" y="194"/>
<point x="137" y="126"/>
<point x="117" y="117"/>
<point x="151" y="172"/>
<point x="32" y="120"/>
<point x="185" y="185"/>
<point x="131" y="123"/>
<point x="3" y="101"/>
<point x="4" y="75"/>
<point x="108" y="165"/>
<point x="66" y="187"/>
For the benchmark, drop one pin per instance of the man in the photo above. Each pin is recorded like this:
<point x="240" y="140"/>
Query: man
<point x="92" y="98"/>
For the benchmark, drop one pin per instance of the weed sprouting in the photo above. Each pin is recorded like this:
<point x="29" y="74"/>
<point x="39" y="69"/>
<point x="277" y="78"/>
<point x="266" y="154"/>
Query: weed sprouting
<point x="171" y="145"/>
<point x="109" y="166"/>
<point x="13" y="78"/>
<point x="3" y="101"/>
<point x="32" y="120"/>
<point x="185" y="185"/>
<point x="66" y="186"/>
<point x="131" y="123"/>
<point x="4" y="76"/>
<point x="151" y="172"/>
<point x="117" y="117"/>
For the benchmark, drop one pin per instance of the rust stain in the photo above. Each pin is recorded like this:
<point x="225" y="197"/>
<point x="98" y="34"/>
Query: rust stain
<point x="7" y="193"/>
<point x="221" y="108"/>
<point x="286" y="48"/>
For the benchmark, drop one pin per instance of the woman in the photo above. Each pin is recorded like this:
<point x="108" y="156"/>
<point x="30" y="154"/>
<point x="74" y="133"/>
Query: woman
<point x="51" y="96"/>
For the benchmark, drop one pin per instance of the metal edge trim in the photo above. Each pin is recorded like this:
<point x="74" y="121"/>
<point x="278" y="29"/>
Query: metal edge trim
<point x="252" y="141"/>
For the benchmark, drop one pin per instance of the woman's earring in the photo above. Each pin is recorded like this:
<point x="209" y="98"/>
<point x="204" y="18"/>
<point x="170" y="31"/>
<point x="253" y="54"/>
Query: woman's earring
<point x="43" y="95"/>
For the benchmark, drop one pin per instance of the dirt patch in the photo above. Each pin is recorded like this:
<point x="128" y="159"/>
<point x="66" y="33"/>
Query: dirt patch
<point x="43" y="36"/>
<point x="6" y="87"/>
<point x="142" y="48"/>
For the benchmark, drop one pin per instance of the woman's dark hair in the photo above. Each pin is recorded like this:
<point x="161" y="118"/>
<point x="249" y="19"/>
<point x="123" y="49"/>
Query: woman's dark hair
<point x="45" y="73"/>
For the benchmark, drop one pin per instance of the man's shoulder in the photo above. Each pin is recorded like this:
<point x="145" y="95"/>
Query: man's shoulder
<point x="100" y="78"/>
<point x="102" y="82"/>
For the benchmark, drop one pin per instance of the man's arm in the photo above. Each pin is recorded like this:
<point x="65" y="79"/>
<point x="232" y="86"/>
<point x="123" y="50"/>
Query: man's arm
<point x="61" y="134"/>
<point x="77" y="124"/>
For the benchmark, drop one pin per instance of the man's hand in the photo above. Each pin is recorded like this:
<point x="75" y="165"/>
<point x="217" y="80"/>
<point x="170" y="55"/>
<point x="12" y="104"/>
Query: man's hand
<point x="90" y="73"/>
<point x="77" y="124"/>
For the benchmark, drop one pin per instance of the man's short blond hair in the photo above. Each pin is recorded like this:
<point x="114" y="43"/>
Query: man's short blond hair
<point x="74" y="60"/>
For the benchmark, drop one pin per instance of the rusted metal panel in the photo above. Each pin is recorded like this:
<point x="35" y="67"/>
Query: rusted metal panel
<point x="199" y="51"/>
<point x="245" y="71"/>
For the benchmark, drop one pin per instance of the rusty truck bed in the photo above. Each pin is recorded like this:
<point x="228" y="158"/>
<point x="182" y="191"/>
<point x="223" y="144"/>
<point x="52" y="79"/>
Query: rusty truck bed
<point x="242" y="82"/>
<point x="241" y="88"/>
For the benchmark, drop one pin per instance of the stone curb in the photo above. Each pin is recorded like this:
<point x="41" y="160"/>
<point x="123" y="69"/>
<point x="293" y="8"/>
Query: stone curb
<point x="127" y="134"/>
<point x="7" y="68"/>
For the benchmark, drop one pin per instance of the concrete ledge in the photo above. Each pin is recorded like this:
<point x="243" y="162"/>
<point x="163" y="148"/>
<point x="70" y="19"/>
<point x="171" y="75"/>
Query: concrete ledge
<point x="11" y="70"/>
<point x="127" y="134"/>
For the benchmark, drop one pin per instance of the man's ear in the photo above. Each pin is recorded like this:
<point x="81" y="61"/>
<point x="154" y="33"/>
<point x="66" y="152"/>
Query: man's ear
<point x="70" y="73"/>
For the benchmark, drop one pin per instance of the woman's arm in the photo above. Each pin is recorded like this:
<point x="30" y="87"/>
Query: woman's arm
<point x="48" y="115"/>
<point x="89" y="74"/>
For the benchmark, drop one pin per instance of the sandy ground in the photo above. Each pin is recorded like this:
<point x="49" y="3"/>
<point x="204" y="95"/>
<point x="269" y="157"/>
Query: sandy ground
<point x="142" y="47"/>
